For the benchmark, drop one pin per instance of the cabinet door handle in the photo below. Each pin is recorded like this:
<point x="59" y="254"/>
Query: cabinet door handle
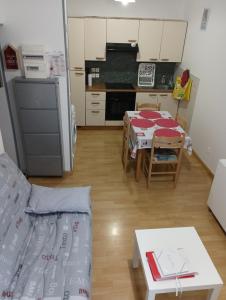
<point x="80" y="74"/>
<point x="153" y="59"/>
<point x="78" y="68"/>
<point x="132" y="41"/>
<point x="95" y="111"/>
<point x="95" y="94"/>
<point x="100" y="58"/>
<point x="152" y="95"/>
<point x="95" y="102"/>
<point x="165" y="59"/>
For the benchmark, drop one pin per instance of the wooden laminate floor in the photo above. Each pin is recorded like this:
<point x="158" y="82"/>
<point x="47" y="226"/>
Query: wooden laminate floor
<point x="121" y="205"/>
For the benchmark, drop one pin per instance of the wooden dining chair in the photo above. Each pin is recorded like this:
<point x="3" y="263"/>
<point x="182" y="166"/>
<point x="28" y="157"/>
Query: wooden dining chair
<point x="148" y="106"/>
<point x="126" y="142"/>
<point x="164" y="157"/>
<point x="182" y="122"/>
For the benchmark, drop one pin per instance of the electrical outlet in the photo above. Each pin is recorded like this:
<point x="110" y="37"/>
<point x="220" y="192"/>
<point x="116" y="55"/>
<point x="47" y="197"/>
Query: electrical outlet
<point x="209" y="150"/>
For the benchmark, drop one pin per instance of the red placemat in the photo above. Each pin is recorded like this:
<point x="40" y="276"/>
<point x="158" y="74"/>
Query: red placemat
<point x="148" y="114"/>
<point x="167" y="132"/>
<point x="166" y="123"/>
<point x="142" y="123"/>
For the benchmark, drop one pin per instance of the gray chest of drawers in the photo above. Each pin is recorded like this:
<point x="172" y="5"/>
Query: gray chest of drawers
<point x="38" y="113"/>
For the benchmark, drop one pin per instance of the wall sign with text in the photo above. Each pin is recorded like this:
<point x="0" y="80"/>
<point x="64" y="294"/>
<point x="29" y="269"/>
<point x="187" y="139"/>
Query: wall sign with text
<point x="11" y="58"/>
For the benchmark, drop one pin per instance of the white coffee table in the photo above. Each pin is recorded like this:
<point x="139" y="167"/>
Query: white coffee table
<point x="182" y="237"/>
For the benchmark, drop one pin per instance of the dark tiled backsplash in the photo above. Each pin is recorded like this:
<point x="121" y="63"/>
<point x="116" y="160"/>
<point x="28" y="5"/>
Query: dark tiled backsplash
<point x="122" y="67"/>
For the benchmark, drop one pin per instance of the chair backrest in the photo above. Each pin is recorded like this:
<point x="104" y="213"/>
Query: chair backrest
<point x="182" y="122"/>
<point x="171" y="154"/>
<point x="126" y="125"/>
<point x="148" y="106"/>
<point x="168" y="142"/>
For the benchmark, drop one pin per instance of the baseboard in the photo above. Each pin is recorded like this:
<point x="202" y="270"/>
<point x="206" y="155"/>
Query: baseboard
<point x="203" y="164"/>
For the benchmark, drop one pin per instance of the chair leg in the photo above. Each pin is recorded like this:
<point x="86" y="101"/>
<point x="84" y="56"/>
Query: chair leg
<point x="122" y="154"/>
<point x="176" y="176"/>
<point x="125" y="163"/>
<point x="148" y="183"/>
<point x="149" y="176"/>
<point x="126" y="159"/>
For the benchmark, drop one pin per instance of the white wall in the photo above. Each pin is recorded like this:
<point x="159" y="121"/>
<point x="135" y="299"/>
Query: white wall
<point x="33" y="21"/>
<point x="205" y="56"/>
<point x="142" y="8"/>
<point x="37" y="22"/>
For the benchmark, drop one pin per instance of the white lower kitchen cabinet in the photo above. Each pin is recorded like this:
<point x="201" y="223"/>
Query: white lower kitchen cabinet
<point x="90" y="104"/>
<point x="78" y="96"/>
<point x="95" y="117"/>
<point x="95" y="108"/>
<point x="168" y="103"/>
<point x="95" y="97"/>
<point x="146" y="98"/>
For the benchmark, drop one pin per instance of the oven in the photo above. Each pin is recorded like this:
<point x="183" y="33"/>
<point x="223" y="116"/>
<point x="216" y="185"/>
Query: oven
<point x="120" y="101"/>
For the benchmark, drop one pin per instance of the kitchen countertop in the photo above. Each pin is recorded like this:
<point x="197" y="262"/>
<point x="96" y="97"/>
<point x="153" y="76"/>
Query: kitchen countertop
<point x="100" y="87"/>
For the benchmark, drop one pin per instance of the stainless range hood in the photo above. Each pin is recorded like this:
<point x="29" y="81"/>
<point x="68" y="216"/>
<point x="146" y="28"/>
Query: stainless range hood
<point x="122" y="47"/>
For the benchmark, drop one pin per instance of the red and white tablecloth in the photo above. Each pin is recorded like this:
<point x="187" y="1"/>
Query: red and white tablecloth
<point x="142" y="137"/>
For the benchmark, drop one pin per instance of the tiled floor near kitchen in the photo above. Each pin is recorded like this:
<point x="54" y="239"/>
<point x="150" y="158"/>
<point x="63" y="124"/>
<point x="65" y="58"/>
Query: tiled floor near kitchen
<point x="121" y="205"/>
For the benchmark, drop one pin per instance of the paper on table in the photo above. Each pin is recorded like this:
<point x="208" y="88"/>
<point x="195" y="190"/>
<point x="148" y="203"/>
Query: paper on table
<point x="172" y="261"/>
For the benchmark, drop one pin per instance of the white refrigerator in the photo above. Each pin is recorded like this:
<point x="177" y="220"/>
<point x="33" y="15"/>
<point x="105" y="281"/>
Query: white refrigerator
<point x="217" y="196"/>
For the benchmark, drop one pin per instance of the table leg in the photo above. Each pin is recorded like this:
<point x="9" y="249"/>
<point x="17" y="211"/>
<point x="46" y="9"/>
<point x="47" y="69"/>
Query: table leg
<point x="214" y="293"/>
<point x="140" y="153"/>
<point x="136" y="256"/>
<point x="150" y="295"/>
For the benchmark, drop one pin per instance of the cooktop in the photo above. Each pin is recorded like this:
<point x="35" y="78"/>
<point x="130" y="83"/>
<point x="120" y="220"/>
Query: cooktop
<point x="119" y="85"/>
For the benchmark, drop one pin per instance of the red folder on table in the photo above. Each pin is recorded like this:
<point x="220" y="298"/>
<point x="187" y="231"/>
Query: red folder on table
<point x="156" y="273"/>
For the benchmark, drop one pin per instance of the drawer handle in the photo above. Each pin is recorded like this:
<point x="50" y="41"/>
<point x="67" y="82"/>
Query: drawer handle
<point x="163" y="95"/>
<point x="95" y="102"/>
<point x="165" y="59"/>
<point x="152" y="95"/>
<point x="132" y="41"/>
<point x="100" y="58"/>
<point x="95" y="111"/>
<point x="78" y="68"/>
<point x="80" y="74"/>
<point x="95" y="94"/>
<point x="153" y="59"/>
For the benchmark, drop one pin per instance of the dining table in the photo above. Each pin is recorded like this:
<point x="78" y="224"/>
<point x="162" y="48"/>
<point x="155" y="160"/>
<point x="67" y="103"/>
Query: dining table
<point x="143" y="125"/>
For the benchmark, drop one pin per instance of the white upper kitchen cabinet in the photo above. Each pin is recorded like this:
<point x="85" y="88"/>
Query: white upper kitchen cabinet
<point x="76" y="43"/>
<point x="173" y="38"/>
<point x="78" y="96"/>
<point x="95" y="39"/>
<point x="122" y="31"/>
<point x="150" y="36"/>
